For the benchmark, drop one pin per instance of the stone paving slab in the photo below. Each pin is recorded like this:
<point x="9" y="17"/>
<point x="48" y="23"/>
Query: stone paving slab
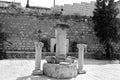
<point x="22" y="69"/>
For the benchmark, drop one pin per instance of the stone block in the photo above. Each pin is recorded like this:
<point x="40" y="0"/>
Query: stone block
<point x="50" y="59"/>
<point x="19" y="48"/>
<point x="60" y="71"/>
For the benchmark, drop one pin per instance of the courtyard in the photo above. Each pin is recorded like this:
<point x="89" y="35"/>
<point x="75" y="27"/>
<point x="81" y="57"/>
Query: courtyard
<point x="21" y="69"/>
<point x="36" y="30"/>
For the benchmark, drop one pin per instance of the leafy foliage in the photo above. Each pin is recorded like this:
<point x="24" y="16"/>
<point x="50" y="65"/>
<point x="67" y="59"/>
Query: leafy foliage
<point x="3" y="39"/>
<point x="37" y="36"/>
<point x="105" y="24"/>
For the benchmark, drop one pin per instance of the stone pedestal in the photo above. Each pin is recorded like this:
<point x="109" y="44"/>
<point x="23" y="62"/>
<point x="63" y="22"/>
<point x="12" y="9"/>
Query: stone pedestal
<point x="38" y="49"/>
<point x="81" y="49"/>
<point x="61" y="40"/>
<point x="60" y="71"/>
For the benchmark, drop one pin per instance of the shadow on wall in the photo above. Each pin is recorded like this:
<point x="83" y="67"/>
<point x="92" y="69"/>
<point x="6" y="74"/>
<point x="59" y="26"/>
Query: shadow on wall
<point x="30" y="77"/>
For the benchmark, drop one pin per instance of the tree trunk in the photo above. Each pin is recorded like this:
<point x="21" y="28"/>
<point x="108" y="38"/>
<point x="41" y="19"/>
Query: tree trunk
<point x="109" y="51"/>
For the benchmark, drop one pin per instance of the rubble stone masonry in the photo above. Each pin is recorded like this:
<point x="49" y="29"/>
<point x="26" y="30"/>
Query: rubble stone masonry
<point x="22" y="23"/>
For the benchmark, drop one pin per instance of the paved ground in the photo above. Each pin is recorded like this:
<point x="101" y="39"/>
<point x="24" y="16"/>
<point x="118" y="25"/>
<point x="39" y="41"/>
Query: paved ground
<point x="21" y="70"/>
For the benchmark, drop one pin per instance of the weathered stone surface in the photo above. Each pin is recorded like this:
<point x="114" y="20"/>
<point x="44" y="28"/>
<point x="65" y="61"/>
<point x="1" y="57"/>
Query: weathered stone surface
<point x="50" y="59"/>
<point x="54" y="60"/>
<point x="61" y="42"/>
<point x="38" y="49"/>
<point x="22" y="27"/>
<point x="60" y="71"/>
<point x="81" y="50"/>
<point x="69" y="60"/>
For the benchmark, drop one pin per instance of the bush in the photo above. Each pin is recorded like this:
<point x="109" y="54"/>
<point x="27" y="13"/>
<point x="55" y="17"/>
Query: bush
<point x="73" y="46"/>
<point x="46" y="42"/>
<point x="99" y="55"/>
<point x="3" y="39"/>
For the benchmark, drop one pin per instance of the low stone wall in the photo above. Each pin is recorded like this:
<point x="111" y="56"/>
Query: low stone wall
<point x="31" y="55"/>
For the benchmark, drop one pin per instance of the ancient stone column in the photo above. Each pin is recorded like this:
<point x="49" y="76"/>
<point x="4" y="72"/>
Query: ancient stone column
<point x="81" y="49"/>
<point x="38" y="52"/>
<point x="61" y="40"/>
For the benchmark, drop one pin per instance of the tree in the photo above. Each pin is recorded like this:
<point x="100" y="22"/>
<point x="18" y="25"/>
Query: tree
<point x="105" y="25"/>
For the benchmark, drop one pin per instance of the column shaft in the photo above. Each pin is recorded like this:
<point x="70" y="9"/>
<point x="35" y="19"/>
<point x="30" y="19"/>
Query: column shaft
<point x="61" y="43"/>
<point x="81" y="48"/>
<point x="81" y="58"/>
<point x="37" y="56"/>
<point x="38" y="52"/>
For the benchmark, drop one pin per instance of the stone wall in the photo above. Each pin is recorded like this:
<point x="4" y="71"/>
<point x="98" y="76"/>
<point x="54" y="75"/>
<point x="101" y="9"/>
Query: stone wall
<point x="83" y="8"/>
<point x="7" y="3"/>
<point x="23" y="26"/>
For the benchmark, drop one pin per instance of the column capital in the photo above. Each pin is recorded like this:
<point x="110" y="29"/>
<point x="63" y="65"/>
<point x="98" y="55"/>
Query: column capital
<point x="62" y="26"/>
<point x="81" y="45"/>
<point x="39" y="44"/>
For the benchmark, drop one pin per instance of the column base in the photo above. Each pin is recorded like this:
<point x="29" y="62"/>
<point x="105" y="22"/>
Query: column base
<point x="81" y="72"/>
<point x="37" y="72"/>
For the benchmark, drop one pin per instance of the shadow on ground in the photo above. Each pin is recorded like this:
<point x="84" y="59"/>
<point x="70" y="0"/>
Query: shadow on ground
<point x="42" y="77"/>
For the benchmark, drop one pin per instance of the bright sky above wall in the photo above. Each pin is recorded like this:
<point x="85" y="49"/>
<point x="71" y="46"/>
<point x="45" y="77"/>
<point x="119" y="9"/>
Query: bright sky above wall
<point x="48" y="3"/>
